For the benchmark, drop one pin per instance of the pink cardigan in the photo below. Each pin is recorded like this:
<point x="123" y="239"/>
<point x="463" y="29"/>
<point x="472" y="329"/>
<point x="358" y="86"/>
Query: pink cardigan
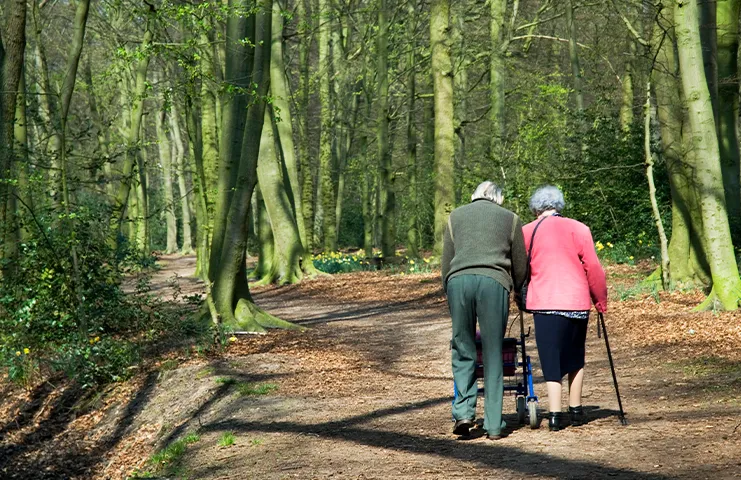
<point x="565" y="271"/>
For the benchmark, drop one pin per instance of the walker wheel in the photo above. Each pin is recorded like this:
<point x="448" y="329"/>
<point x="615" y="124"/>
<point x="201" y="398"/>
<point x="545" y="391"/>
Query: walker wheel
<point x="532" y="409"/>
<point x="521" y="409"/>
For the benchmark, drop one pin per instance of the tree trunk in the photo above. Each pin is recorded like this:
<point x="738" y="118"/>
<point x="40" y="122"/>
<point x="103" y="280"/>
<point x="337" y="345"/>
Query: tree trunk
<point x="286" y="266"/>
<point x="574" y="57"/>
<point x="132" y="139"/>
<point x="200" y="186"/>
<point x="665" y="279"/>
<point x="182" y="173"/>
<point x="102" y="133"/>
<point x="685" y="246"/>
<point x="284" y="125"/>
<point x="444" y="131"/>
<point x="142" y="202"/>
<point x="266" y="245"/>
<point x="412" y="225"/>
<point x="626" y="105"/>
<point x="386" y="184"/>
<point x="20" y="168"/>
<point x="163" y="144"/>
<point x="306" y="170"/>
<point x="238" y="70"/>
<point x="12" y="48"/>
<point x="231" y="297"/>
<point x="209" y="125"/>
<point x="728" y="86"/>
<point x="327" y="196"/>
<point x="497" y="76"/>
<point x="716" y="232"/>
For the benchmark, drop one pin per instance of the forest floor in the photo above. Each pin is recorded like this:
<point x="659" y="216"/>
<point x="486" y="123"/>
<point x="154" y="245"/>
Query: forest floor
<point x="365" y="393"/>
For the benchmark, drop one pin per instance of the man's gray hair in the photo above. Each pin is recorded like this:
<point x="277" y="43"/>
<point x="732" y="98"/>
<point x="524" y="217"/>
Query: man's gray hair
<point x="488" y="191"/>
<point x="547" y="198"/>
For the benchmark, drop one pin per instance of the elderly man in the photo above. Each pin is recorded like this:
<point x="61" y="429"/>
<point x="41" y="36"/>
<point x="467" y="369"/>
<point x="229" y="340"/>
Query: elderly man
<point x="484" y="257"/>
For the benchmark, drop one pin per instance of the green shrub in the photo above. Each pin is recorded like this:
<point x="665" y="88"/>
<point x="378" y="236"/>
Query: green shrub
<point x="58" y="315"/>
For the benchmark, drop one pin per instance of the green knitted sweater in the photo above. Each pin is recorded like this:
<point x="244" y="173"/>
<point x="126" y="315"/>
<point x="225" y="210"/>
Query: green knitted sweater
<point x="486" y="239"/>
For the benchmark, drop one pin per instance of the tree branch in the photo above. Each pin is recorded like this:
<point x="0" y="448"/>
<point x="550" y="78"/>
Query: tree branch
<point x="548" y="37"/>
<point x="630" y="27"/>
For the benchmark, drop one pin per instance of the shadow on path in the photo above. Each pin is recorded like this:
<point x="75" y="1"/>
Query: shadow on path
<point x="487" y="454"/>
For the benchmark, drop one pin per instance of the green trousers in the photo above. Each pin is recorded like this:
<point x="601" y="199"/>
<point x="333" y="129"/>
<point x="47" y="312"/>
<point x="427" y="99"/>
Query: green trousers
<point x="471" y="297"/>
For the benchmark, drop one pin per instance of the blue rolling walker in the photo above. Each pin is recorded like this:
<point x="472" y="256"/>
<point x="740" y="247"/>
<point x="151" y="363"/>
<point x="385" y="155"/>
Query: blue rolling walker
<point x="518" y="375"/>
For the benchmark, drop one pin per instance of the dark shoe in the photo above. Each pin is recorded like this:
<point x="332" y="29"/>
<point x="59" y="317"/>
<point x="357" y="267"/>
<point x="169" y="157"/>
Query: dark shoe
<point x="463" y="427"/>
<point x="577" y="416"/>
<point x="556" y="421"/>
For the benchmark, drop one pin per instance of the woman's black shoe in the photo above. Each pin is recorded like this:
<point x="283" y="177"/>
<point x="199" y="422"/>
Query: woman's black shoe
<point x="556" y="421"/>
<point x="577" y="416"/>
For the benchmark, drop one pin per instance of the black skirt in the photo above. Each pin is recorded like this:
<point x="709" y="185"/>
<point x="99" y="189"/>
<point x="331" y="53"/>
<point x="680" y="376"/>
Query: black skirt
<point x="560" y="342"/>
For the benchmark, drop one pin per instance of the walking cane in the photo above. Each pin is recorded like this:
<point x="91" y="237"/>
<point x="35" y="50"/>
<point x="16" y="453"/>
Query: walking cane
<point x="601" y="326"/>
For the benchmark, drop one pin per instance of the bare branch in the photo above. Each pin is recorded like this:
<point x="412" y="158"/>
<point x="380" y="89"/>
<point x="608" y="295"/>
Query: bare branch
<point x="548" y="37"/>
<point x="630" y="27"/>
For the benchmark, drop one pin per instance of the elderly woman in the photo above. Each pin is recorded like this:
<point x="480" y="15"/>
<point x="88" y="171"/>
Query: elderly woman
<point x="565" y="279"/>
<point x="483" y="259"/>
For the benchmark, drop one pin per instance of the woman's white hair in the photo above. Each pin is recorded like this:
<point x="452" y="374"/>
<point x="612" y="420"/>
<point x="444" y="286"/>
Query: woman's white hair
<point x="488" y="191"/>
<point x="547" y="198"/>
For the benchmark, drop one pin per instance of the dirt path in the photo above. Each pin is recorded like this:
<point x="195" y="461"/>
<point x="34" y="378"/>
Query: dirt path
<point x="366" y="394"/>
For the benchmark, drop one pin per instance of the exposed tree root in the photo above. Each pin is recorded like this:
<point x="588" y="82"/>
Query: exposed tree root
<point x="711" y="303"/>
<point x="715" y="302"/>
<point x="249" y="318"/>
<point x="653" y="280"/>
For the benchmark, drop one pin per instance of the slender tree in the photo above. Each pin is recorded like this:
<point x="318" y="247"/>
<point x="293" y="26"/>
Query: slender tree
<point x="387" y="199"/>
<point x="327" y="187"/>
<point x="442" y="74"/>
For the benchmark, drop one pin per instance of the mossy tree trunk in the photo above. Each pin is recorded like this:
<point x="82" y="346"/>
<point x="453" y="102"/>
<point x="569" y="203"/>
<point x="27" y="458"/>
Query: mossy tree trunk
<point x="238" y="70"/>
<point x="726" y="290"/>
<point x="306" y="164"/>
<point x="232" y="304"/>
<point x="442" y="74"/>
<point x="326" y="167"/>
<point x="685" y="247"/>
<point x="286" y="153"/>
<point x="288" y="251"/>
<point x="727" y="18"/>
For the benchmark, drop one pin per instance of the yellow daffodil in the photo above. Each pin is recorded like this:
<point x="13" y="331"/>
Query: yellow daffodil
<point x="17" y="353"/>
<point x="26" y="351"/>
<point x="609" y="244"/>
<point x="411" y="262"/>
<point x="232" y="338"/>
<point x="631" y="257"/>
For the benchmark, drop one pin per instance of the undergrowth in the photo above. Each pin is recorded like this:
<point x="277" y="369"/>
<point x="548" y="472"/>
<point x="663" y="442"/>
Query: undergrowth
<point x="64" y="309"/>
